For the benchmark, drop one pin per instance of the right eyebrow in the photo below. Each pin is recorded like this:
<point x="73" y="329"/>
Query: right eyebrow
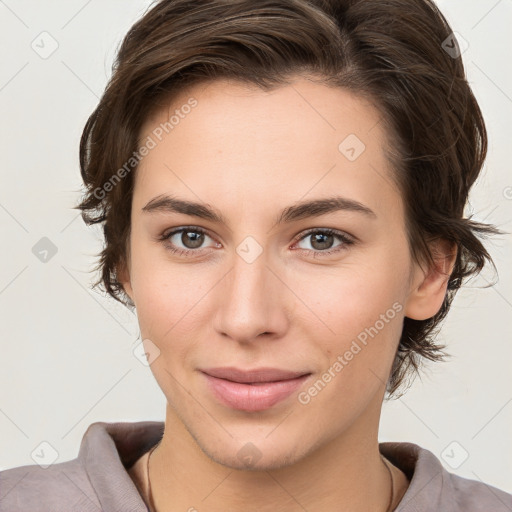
<point x="165" y="203"/>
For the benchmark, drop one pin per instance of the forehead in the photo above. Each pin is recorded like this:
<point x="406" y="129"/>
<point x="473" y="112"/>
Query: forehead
<point x="239" y="144"/>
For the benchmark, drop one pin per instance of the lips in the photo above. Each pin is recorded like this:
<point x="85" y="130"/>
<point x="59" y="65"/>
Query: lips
<point x="252" y="376"/>
<point x="252" y="390"/>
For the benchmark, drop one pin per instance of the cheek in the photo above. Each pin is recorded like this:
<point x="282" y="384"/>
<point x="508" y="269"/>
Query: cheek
<point x="166" y="316"/>
<point x="172" y="301"/>
<point x="359" y="309"/>
<point x="352" y="297"/>
<point x="365" y="321"/>
<point x="165" y="301"/>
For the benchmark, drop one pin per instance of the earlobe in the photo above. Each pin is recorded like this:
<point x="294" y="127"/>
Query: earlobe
<point x="428" y="288"/>
<point x="123" y="277"/>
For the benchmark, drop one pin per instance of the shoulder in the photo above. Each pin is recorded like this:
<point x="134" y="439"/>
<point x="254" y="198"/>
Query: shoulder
<point x="432" y="487"/>
<point x="97" y="479"/>
<point x="476" y="496"/>
<point x="61" y="486"/>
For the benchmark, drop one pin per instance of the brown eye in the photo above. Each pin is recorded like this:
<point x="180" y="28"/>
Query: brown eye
<point x="192" y="239"/>
<point x="322" y="242"/>
<point x="186" y="240"/>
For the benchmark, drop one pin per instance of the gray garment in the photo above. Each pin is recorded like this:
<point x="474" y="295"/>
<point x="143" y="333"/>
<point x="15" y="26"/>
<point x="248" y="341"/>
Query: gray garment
<point x="97" y="480"/>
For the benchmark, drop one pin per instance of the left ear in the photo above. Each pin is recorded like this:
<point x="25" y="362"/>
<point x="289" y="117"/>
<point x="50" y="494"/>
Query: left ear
<point x="428" y="286"/>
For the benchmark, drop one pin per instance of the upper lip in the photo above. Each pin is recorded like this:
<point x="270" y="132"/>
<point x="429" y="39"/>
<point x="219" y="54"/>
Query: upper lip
<point x="256" y="375"/>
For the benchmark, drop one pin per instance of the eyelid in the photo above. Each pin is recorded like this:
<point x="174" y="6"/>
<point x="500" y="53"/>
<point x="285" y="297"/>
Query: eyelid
<point x="346" y="241"/>
<point x="179" y="229"/>
<point x="166" y="235"/>
<point x="341" y="234"/>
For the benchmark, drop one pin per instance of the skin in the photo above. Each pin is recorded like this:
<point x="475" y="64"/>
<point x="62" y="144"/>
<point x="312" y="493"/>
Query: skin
<point x="249" y="154"/>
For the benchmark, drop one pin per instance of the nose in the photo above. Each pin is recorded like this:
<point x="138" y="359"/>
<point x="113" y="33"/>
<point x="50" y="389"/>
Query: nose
<point x="251" y="301"/>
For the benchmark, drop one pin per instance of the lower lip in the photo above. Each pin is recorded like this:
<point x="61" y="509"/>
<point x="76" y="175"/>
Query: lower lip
<point x="252" y="397"/>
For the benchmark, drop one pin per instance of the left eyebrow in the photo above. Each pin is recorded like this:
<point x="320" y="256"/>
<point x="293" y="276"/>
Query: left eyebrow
<point x="298" y="211"/>
<point x="319" y="207"/>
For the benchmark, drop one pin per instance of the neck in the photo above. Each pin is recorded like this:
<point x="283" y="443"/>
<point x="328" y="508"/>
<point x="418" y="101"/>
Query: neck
<point x="345" y="474"/>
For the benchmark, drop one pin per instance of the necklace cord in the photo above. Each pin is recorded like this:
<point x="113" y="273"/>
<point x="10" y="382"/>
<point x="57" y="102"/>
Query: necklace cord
<point x="392" y="497"/>
<point x="150" y="495"/>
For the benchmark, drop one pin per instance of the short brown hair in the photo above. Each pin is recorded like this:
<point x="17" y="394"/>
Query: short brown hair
<point x="393" y="53"/>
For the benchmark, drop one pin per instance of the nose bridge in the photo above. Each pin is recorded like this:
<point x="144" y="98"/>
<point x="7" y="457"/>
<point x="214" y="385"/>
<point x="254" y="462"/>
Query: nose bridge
<point x="248" y="303"/>
<point x="248" y="281"/>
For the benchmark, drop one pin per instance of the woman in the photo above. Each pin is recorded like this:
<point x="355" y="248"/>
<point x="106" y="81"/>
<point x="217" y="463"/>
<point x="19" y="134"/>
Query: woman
<point x="282" y="186"/>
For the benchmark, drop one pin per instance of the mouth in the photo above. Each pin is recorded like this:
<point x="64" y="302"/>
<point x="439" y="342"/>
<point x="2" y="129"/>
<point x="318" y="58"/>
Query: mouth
<point x="252" y="390"/>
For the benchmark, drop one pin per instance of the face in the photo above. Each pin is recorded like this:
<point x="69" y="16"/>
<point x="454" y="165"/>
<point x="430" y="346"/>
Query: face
<point x="253" y="278"/>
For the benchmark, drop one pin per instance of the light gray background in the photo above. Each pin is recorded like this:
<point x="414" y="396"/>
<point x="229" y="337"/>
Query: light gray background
<point x="67" y="356"/>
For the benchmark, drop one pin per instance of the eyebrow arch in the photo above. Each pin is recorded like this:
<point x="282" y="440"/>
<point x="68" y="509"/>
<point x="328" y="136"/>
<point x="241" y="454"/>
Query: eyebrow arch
<point x="297" y="211"/>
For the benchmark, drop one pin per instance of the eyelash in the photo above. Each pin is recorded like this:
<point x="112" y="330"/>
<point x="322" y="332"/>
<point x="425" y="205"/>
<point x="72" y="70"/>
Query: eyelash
<point x="344" y="238"/>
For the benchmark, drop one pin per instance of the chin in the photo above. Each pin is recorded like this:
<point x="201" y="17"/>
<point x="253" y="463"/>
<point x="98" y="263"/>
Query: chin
<point x="248" y="450"/>
<point x="251" y="458"/>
